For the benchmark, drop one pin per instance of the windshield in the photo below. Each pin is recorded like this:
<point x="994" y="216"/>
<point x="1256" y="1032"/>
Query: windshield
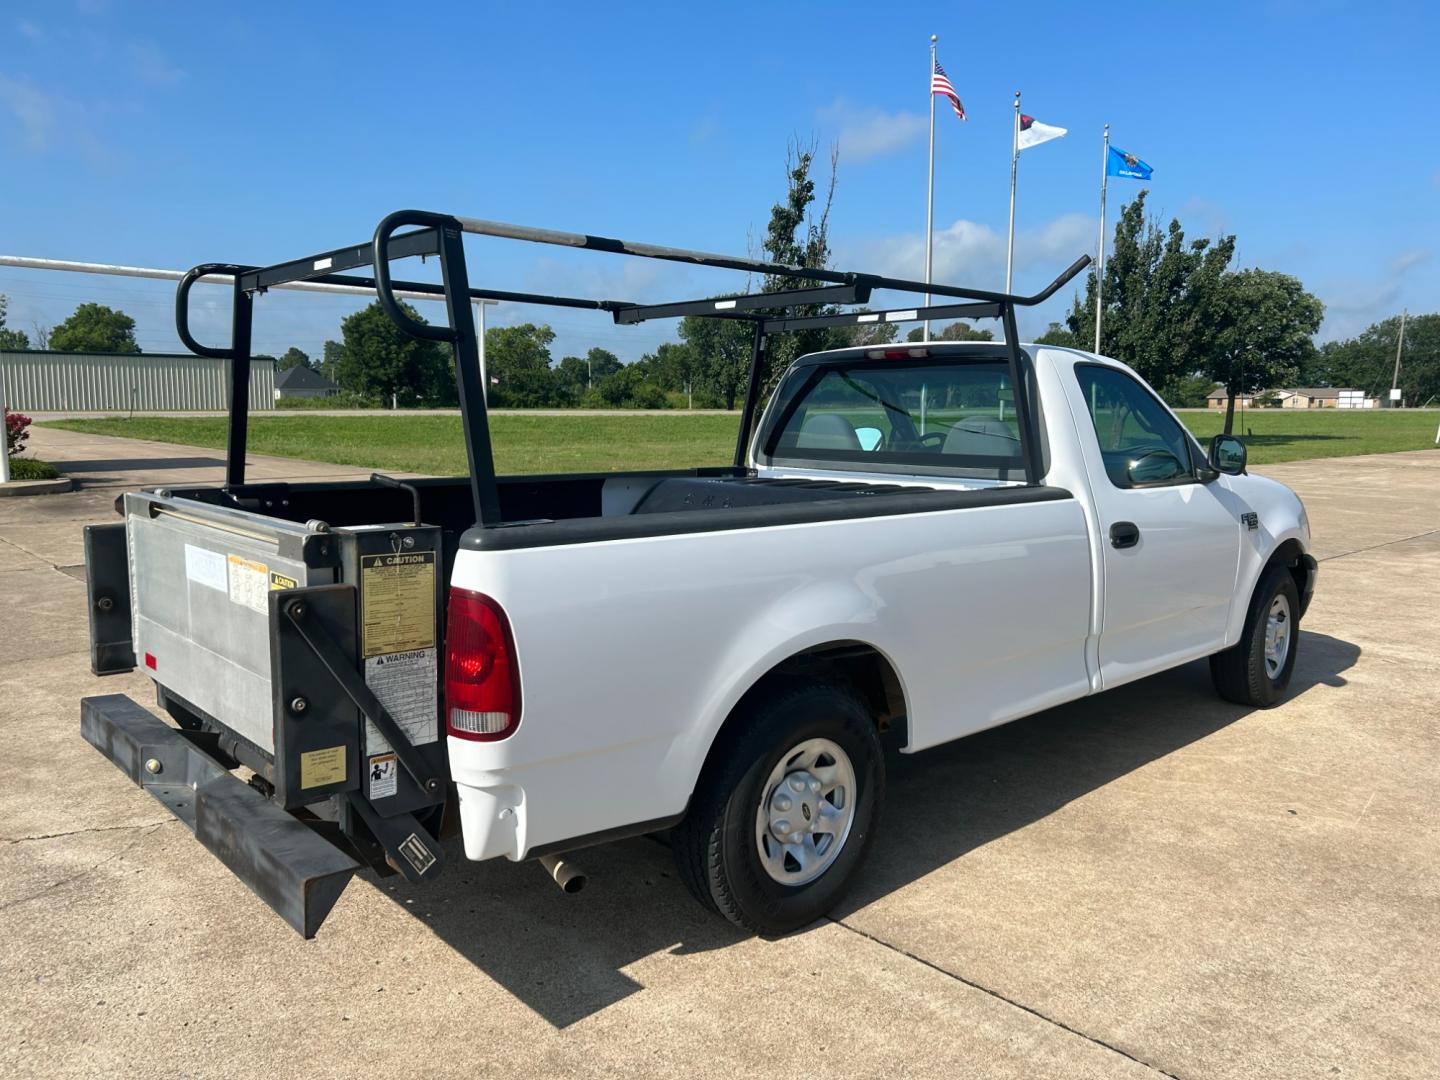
<point x="951" y="415"/>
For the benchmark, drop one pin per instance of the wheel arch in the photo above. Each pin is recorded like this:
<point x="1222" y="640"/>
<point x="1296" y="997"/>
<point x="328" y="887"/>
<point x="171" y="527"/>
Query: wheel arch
<point x="857" y="665"/>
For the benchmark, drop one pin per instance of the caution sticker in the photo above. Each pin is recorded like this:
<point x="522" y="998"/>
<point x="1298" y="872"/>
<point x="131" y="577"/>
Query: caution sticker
<point x="282" y="581"/>
<point x="249" y="583"/>
<point x="397" y="601"/>
<point x="384" y="773"/>
<point x="321" y="767"/>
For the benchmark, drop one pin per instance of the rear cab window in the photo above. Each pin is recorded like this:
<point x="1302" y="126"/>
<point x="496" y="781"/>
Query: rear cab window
<point x="943" y="416"/>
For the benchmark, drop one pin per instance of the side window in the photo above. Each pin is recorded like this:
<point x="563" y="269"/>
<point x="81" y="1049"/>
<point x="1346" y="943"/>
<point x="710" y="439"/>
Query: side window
<point x="1140" y="442"/>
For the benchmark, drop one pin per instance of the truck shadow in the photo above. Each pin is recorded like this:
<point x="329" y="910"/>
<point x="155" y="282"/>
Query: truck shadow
<point x="566" y="957"/>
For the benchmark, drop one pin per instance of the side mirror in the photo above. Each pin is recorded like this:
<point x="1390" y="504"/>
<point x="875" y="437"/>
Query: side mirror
<point x="869" y="437"/>
<point x="1155" y="467"/>
<point x="1227" y="455"/>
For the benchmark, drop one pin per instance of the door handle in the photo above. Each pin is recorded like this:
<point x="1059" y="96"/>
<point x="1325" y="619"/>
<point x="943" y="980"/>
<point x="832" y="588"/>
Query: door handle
<point x="1124" y="534"/>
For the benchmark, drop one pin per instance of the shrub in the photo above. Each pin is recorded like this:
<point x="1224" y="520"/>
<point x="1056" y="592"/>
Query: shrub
<point x="343" y="400"/>
<point x="17" y="431"/>
<point x="27" y="468"/>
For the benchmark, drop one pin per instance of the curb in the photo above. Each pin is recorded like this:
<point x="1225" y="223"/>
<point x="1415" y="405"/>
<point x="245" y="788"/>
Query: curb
<point x="36" y="487"/>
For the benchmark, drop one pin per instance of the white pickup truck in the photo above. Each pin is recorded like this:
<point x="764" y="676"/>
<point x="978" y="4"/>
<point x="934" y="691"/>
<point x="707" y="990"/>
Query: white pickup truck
<point x="916" y="542"/>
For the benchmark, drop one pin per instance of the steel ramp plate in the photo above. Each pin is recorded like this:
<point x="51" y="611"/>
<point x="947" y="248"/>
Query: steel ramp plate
<point x="292" y="868"/>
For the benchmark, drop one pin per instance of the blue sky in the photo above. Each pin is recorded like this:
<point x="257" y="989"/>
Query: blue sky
<point x="168" y="134"/>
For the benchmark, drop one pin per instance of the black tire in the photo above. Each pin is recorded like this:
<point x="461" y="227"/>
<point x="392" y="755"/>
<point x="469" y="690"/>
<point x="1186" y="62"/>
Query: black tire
<point x="715" y="847"/>
<point x="1239" y="673"/>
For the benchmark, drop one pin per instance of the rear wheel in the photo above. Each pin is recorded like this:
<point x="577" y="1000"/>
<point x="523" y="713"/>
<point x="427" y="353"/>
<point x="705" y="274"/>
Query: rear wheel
<point x="1256" y="670"/>
<point x="786" y="809"/>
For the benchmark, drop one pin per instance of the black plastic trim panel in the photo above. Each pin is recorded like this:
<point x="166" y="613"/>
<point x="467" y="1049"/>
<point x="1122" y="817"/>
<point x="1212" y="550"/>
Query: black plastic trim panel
<point x="606" y="836"/>
<point x="633" y="527"/>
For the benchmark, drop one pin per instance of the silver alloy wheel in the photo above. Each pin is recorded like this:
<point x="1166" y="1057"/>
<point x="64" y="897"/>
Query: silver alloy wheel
<point x="806" y="811"/>
<point x="1277" y="636"/>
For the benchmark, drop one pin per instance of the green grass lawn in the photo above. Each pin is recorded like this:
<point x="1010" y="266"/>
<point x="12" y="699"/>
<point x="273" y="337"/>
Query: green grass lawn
<point x="433" y="445"/>
<point x="583" y="443"/>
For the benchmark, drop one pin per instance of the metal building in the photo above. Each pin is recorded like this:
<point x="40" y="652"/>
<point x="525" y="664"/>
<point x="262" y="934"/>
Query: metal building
<point x="122" y="382"/>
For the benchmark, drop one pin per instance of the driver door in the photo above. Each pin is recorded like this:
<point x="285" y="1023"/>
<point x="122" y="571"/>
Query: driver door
<point x="1170" y="546"/>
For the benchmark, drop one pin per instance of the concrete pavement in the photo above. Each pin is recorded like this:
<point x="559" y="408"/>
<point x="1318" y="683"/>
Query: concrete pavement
<point x="1149" y="883"/>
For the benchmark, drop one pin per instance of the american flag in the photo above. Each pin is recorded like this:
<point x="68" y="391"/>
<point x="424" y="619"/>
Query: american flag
<point x="940" y="84"/>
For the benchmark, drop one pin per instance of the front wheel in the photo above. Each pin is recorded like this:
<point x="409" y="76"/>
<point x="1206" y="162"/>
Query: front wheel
<point x="1256" y="670"/>
<point x="785" y="810"/>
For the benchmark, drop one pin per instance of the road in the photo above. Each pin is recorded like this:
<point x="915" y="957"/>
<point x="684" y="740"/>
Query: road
<point x="1151" y="883"/>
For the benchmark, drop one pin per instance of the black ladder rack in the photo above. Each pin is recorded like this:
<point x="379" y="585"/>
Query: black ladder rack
<point x="442" y="235"/>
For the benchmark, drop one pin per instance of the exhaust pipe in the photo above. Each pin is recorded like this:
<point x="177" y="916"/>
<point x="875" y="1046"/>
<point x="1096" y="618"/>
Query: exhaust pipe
<point x="567" y="875"/>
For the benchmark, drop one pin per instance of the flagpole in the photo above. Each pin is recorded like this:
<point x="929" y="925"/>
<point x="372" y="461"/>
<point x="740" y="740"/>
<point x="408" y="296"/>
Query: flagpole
<point x="1014" y="161"/>
<point x="930" y="187"/>
<point x="1100" y="260"/>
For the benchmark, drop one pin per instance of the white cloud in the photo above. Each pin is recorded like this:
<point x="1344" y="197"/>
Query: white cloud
<point x="867" y="132"/>
<point x="32" y="109"/>
<point x="151" y="65"/>
<point x="968" y="253"/>
<point x="1352" y="306"/>
<point x="1407" y="260"/>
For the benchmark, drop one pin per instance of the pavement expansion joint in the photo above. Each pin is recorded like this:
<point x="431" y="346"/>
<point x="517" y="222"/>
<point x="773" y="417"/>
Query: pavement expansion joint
<point x="1009" y="1001"/>
<point x="1377" y="547"/>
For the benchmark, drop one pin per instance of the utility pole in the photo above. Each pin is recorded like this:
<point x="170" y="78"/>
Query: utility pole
<point x="1399" y="348"/>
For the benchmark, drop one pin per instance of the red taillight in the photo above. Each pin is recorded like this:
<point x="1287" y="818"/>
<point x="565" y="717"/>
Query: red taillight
<point x="482" y="680"/>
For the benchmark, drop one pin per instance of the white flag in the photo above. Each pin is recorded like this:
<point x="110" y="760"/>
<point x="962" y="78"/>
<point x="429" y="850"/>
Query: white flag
<point x="1033" y="133"/>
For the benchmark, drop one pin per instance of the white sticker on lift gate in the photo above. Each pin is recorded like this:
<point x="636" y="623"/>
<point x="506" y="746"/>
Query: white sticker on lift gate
<point x="384" y="770"/>
<point x="250" y="584"/>
<point x="205" y="567"/>
<point x="406" y="684"/>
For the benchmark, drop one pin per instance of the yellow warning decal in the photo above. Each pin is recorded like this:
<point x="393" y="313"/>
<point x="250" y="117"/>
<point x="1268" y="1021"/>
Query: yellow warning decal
<point x="321" y="767"/>
<point x="282" y="581"/>
<point x="247" y="583"/>
<point x="397" y="602"/>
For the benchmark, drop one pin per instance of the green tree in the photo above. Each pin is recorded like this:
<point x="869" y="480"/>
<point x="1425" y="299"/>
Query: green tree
<point x="517" y="360"/>
<point x="1160" y="299"/>
<point x="602" y="363"/>
<point x="1057" y="334"/>
<point x="629" y="388"/>
<point x="722" y="349"/>
<point x="1189" y="392"/>
<point x="95" y="328"/>
<point x="955" y="331"/>
<point x="1258" y="331"/>
<point x="798" y="234"/>
<point x="380" y="360"/>
<point x="10" y="339"/>
<point x="330" y="360"/>
<point x="1367" y="361"/>
<point x="673" y="367"/>
<point x="292" y="357"/>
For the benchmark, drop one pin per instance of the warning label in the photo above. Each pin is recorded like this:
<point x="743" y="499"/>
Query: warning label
<point x="282" y="581"/>
<point x="405" y="683"/>
<point x="320" y="767"/>
<point x="397" y="601"/>
<point x="384" y="769"/>
<point x="249" y="583"/>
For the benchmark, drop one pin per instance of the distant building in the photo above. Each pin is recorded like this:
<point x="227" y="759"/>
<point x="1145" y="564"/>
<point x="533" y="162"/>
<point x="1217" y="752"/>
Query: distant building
<point x="40" y="381"/>
<point x="1324" y="397"/>
<point x="1218" y="399"/>
<point x="302" y="381"/>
